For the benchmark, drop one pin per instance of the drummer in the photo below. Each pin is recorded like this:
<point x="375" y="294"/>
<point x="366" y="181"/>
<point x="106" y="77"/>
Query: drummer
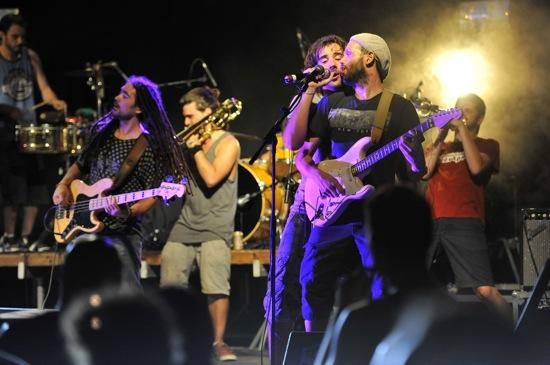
<point x="20" y="70"/>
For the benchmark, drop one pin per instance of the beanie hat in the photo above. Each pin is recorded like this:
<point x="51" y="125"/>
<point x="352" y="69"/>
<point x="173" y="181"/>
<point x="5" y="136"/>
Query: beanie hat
<point x="377" y="45"/>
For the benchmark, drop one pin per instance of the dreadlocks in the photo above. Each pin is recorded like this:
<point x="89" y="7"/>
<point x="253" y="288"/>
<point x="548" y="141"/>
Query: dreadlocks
<point x="161" y="134"/>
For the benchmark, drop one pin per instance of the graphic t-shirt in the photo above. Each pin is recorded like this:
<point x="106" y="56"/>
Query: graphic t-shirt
<point x="342" y="119"/>
<point x="17" y="90"/>
<point x="452" y="191"/>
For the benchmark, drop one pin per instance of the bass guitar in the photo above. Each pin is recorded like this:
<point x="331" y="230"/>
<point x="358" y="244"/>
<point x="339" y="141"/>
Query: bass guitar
<point x="80" y="216"/>
<point x="352" y="166"/>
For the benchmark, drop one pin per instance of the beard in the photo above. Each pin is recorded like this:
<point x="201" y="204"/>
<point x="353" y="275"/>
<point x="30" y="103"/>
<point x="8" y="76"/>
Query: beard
<point x="353" y="73"/>
<point x="122" y="115"/>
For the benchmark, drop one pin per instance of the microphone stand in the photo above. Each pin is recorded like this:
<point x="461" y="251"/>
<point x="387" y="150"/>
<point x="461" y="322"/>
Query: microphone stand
<point x="186" y="82"/>
<point x="271" y="138"/>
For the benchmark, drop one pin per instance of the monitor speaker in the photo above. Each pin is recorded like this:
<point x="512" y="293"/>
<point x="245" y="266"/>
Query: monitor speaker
<point x="536" y="243"/>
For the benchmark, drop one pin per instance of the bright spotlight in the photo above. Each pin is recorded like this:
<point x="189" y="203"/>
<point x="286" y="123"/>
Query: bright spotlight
<point x="459" y="72"/>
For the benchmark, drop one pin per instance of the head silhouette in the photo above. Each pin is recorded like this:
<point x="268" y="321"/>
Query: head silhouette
<point x="399" y="223"/>
<point x="91" y="263"/>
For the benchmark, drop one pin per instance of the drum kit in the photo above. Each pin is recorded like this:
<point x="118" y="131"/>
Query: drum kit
<point x="66" y="137"/>
<point x="59" y="133"/>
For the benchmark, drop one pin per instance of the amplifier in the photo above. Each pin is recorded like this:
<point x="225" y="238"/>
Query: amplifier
<point x="536" y="243"/>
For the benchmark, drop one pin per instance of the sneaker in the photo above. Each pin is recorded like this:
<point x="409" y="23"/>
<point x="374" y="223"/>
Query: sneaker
<point x="224" y="352"/>
<point x="21" y="245"/>
<point x="38" y="246"/>
<point x="8" y="244"/>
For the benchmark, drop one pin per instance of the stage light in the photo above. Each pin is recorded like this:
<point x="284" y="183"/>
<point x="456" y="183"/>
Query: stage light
<point x="459" y="72"/>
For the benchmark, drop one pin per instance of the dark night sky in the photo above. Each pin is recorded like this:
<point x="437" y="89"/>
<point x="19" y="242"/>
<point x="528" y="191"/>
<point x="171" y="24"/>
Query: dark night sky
<point x="249" y="47"/>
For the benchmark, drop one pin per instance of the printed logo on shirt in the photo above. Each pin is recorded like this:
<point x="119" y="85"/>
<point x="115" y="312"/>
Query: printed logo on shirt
<point x="17" y="85"/>
<point x="454" y="157"/>
<point x="349" y="120"/>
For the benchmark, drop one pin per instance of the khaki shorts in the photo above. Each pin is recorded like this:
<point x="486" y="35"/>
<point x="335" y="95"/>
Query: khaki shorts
<point x="212" y="257"/>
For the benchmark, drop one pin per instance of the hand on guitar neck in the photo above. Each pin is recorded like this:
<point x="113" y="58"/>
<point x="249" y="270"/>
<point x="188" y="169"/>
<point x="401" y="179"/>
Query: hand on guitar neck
<point x="325" y="202"/>
<point x="80" y="216"/>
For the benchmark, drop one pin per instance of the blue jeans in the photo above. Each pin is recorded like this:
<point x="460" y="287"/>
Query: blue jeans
<point x="288" y="291"/>
<point x="328" y="254"/>
<point x="128" y="246"/>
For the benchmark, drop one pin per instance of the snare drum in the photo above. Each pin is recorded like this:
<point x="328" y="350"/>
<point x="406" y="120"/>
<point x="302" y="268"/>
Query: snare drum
<point x="45" y="138"/>
<point x="254" y="208"/>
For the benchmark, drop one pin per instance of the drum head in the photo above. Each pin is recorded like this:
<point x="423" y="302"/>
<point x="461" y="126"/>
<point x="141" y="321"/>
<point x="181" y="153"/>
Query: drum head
<point x="248" y="215"/>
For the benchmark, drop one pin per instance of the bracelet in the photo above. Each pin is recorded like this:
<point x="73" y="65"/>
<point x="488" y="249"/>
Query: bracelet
<point x="61" y="184"/>
<point x="313" y="93"/>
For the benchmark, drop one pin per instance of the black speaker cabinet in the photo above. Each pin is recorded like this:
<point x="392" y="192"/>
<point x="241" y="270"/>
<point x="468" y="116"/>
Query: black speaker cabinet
<point x="536" y="243"/>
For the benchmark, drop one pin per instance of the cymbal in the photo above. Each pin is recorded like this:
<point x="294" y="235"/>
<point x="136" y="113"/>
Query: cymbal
<point x="245" y="137"/>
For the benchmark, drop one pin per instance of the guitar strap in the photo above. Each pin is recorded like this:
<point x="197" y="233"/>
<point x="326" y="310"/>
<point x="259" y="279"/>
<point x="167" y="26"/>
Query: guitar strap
<point x="381" y="116"/>
<point x="130" y="162"/>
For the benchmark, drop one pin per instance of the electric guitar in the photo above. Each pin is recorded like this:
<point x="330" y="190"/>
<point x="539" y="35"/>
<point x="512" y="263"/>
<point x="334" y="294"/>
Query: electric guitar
<point x="80" y="216"/>
<point x="352" y="166"/>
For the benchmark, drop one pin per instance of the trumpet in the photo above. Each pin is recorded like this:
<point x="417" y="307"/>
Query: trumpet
<point x="227" y="112"/>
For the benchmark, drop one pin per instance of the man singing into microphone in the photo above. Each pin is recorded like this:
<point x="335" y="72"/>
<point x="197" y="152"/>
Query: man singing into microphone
<point x="204" y="228"/>
<point x="322" y="56"/>
<point x="340" y="121"/>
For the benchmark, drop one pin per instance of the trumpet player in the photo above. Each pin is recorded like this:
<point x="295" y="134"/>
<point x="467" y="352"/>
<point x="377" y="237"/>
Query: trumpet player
<point x="203" y="231"/>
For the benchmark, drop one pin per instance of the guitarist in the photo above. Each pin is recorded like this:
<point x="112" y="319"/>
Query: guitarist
<point x="138" y="109"/>
<point x="458" y="172"/>
<point x="328" y="52"/>
<point x="341" y="120"/>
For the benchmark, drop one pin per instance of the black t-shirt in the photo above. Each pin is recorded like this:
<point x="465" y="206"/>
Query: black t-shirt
<point x="342" y="119"/>
<point x="107" y="163"/>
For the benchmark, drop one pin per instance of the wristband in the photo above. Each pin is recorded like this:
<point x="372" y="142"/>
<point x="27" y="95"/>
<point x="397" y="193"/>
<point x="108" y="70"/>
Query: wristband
<point x="193" y="150"/>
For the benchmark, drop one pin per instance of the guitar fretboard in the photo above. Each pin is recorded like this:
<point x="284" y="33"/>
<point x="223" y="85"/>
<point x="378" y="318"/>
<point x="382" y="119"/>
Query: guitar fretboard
<point x="101" y="203"/>
<point x="384" y="151"/>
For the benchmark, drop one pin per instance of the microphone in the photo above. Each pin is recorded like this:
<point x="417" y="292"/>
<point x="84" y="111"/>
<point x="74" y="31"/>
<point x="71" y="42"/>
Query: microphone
<point x="316" y="73"/>
<point x="109" y="64"/>
<point x="242" y="200"/>
<point x="209" y="74"/>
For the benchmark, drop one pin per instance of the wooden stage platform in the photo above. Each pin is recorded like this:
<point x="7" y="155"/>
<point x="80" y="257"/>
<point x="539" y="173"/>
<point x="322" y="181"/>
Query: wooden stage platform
<point x="152" y="258"/>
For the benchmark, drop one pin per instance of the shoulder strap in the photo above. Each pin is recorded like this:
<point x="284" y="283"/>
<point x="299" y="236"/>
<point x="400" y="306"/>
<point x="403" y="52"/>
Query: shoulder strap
<point x="130" y="162"/>
<point x="381" y="116"/>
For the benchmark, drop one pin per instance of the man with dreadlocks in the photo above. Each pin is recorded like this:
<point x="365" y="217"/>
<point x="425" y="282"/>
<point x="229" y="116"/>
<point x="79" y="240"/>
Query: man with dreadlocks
<point x="138" y="109"/>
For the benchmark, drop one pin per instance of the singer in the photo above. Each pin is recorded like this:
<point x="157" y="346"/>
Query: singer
<point x="340" y="121"/>
<point x="204" y="229"/>
<point x="324" y="55"/>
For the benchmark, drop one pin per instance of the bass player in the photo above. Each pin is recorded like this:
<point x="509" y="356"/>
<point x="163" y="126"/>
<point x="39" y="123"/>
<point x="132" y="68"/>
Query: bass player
<point x="138" y="111"/>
